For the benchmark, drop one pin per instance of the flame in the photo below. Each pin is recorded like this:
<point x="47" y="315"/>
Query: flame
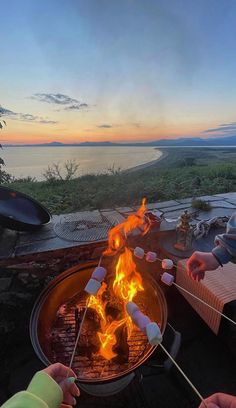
<point x="118" y="234"/>
<point x="126" y="284"/>
<point x="137" y="220"/>
<point x="127" y="281"/>
<point x="96" y="302"/>
<point x="108" y="339"/>
<point x="107" y="335"/>
<point x="117" y="241"/>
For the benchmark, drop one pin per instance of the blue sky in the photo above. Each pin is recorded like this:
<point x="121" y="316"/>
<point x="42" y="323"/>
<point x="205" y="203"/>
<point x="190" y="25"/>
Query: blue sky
<point x="125" y="70"/>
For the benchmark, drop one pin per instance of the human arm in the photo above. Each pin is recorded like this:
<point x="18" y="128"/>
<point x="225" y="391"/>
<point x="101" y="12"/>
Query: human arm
<point x="219" y="400"/>
<point x="47" y="389"/>
<point x="199" y="263"/>
<point x="224" y="251"/>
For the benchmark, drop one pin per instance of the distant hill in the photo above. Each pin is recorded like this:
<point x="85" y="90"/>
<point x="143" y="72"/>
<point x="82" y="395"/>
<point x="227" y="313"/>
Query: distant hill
<point x="181" y="142"/>
<point x="196" y="141"/>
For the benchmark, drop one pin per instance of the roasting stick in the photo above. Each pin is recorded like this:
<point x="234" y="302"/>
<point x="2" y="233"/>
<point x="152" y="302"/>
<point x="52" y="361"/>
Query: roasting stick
<point x="171" y="282"/>
<point x="206" y="304"/>
<point x="168" y="279"/>
<point x="201" y="300"/>
<point x="183" y="374"/>
<point x="91" y="288"/>
<point x="78" y="335"/>
<point x="153" y="333"/>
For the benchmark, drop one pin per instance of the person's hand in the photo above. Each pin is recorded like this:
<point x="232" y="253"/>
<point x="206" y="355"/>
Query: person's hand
<point x="219" y="400"/>
<point x="199" y="263"/>
<point x="65" y="378"/>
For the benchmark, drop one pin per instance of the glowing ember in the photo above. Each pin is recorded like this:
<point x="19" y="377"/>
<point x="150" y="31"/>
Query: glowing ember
<point x="125" y="286"/>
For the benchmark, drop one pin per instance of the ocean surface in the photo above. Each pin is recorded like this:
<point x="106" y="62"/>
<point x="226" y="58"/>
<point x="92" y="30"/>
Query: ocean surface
<point x="32" y="161"/>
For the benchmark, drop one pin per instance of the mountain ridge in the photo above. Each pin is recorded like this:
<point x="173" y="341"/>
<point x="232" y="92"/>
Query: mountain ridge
<point x="180" y="142"/>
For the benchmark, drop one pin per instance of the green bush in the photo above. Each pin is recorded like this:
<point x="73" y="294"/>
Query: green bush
<point x="124" y="189"/>
<point x="201" y="205"/>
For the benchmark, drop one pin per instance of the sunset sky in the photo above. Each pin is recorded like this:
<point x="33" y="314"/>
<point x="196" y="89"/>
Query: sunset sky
<point x="118" y="70"/>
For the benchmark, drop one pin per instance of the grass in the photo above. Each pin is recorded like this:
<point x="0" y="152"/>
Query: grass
<point x="201" y="205"/>
<point x="184" y="173"/>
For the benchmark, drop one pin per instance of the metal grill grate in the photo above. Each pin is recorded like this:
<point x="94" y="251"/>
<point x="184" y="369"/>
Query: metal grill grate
<point x="64" y="334"/>
<point x="57" y="315"/>
<point x="86" y="226"/>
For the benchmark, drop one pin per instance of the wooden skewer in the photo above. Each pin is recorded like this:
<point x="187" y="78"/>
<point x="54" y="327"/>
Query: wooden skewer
<point x="204" y="303"/>
<point x="199" y="299"/>
<point x="154" y="336"/>
<point x="184" y="375"/>
<point x="81" y="325"/>
<point x="196" y="297"/>
<point x="78" y="335"/>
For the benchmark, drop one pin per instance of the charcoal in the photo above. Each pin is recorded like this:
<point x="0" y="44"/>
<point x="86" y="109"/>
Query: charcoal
<point x="121" y="347"/>
<point x="89" y="342"/>
<point x="114" y="309"/>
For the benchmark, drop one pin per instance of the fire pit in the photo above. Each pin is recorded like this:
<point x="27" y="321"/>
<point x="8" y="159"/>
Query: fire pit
<point x="110" y="346"/>
<point x="55" y="321"/>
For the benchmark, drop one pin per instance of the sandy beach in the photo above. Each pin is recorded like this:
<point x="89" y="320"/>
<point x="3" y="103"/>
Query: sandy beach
<point x="22" y="162"/>
<point x="164" y="154"/>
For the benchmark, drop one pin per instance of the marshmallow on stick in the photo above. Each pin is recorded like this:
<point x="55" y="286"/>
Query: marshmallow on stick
<point x="167" y="264"/>
<point x="167" y="278"/>
<point x="151" y="256"/>
<point x="151" y="329"/>
<point x="99" y="273"/>
<point x="94" y="283"/>
<point x="92" y="287"/>
<point x="139" y="252"/>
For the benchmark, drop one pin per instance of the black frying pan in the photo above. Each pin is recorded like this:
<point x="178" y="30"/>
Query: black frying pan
<point x="21" y="212"/>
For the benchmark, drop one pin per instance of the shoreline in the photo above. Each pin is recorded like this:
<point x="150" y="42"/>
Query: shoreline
<point x="164" y="154"/>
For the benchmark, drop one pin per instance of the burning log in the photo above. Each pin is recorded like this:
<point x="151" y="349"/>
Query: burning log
<point x="89" y="343"/>
<point x="114" y="309"/>
<point x="122" y="347"/>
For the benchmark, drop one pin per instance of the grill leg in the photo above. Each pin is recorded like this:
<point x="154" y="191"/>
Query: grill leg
<point x="174" y="348"/>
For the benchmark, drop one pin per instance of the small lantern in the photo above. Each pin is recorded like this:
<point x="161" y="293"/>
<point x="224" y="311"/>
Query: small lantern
<point x="184" y="232"/>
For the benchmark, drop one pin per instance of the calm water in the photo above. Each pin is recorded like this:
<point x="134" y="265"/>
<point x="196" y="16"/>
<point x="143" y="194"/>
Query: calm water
<point x="25" y="161"/>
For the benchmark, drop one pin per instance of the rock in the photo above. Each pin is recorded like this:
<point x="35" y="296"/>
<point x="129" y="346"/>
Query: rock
<point x="24" y="277"/>
<point x="6" y="299"/>
<point x="16" y="299"/>
<point x="5" y="283"/>
<point x="6" y="327"/>
<point x="30" y="280"/>
<point x="23" y="296"/>
<point x="48" y="280"/>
